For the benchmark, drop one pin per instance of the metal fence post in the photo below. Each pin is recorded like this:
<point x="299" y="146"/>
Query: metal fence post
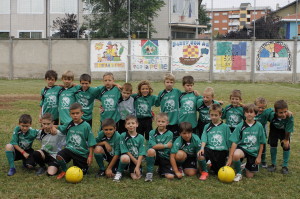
<point x="11" y="64"/>
<point x="252" y="74"/>
<point x="211" y="64"/>
<point x="294" y="75"/>
<point x="49" y="53"/>
<point x="170" y="56"/>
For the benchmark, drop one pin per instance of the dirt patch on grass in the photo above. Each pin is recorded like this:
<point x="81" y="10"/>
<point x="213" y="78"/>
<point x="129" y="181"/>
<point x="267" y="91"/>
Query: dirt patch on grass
<point x="6" y="100"/>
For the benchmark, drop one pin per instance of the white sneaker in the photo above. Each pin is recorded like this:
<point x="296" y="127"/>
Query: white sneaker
<point x="148" y="177"/>
<point x="238" y="177"/>
<point x="243" y="166"/>
<point x="117" y="177"/>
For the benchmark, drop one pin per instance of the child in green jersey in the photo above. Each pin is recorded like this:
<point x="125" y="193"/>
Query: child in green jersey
<point x="188" y="103"/>
<point x="132" y="150"/>
<point x="143" y="102"/>
<point x="85" y="96"/>
<point x="51" y="144"/>
<point x="20" y="146"/>
<point x="234" y="113"/>
<point x="248" y="140"/>
<point x="80" y="142"/>
<point x="49" y="96"/>
<point x="108" y="148"/>
<point x="159" y="146"/>
<point x="281" y="128"/>
<point x="215" y="142"/>
<point x="168" y="101"/>
<point x="184" y="151"/>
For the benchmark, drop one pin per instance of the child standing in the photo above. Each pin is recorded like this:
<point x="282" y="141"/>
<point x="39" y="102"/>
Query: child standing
<point x="20" y="146"/>
<point x="49" y="94"/>
<point x="108" y="148"/>
<point x="125" y="106"/>
<point x="215" y="142"/>
<point x="160" y="143"/>
<point x="168" y="101"/>
<point x="248" y="140"/>
<point x="51" y="144"/>
<point x="80" y="142"/>
<point x="132" y="150"/>
<point x="281" y="128"/>
<point x="234" y="113"/>
<point x="143" y="102"/>
<point x="184" y="151"/>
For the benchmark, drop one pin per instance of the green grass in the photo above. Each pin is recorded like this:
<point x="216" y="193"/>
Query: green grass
<point x="22" y="96"/>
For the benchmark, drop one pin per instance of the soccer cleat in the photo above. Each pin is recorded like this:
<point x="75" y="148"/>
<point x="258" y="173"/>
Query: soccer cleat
<point x="100" y="173"/>
<point x="61" y="175"/>
<point x="272" y="168"/>
<point x="284" y="170"/>
<point x="238" y="177"/>
<point x="41" y="171"/>
<point x="148" y="177"/>
<point x="11" y="171"/>
<point x="204" y="175"/>
<point x="117" y="177"/>
<point x="264" y="165"/>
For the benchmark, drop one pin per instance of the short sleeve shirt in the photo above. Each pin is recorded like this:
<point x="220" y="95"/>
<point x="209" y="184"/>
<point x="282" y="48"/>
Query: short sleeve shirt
<point x="24" y="140"/>
<point x="49" y="101"/>
<point x="143" y="105"/>
<point x="156" y="137"/>
<point x="233" y="115"/>
<point x="191" y="148"/>
<point x="133" y="145"/>
<point x="114" y="142"/>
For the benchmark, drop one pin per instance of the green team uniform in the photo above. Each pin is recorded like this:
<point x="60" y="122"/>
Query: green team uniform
<point x="157" y="138"/>
<point x="78" y="137"/>
<point x="187" y="111"/>
<point x="24" y="140"/>
<point x="249" y="138"/>
<point x="191" y="148"/>
<point x="49" y="101"/>
<point x="86" y="99"/>
<point x="133" y="145"/>
<point x="264" y="117"/>
<point x="233" y="116"/>
<point x="169" y="103"/>
<point x="143" y="105"/>
<point x="109" y="99"/>
<point x="65" y="99"/>
<point x="216" y="137"/>
<point x="204" y="111"/>
<point x="286" y="124"/>
<point x="114" y="142"/>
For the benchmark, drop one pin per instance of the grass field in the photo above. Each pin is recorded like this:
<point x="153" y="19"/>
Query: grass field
<point x="22" y="96"/>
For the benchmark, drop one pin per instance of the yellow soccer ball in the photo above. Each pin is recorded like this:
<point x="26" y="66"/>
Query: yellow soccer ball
<point x="74" y="174"/>
<point x="226" y="174"/>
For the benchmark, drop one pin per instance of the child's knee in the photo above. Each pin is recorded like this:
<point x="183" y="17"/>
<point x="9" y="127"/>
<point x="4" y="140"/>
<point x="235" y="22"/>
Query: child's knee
<point x="180" y="155"/>
<point x="238" y="154"/>
<point x="125" y="159"/>
<point x="9" y="147"/>
<point x="98" y="149"/>
<point x="169" y="176"/>
<point x="190" y="172"/>
<point x="201" y="158"/>
<point x="151" y="153"/>
<point x="52" y="170"/>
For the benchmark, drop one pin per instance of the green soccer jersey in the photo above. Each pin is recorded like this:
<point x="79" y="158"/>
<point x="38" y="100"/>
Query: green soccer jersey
<point x="24" y="140"/>
<point x="114" y="142"/>
<point x="109" y="99"/>
<point x="216" y="137"/>
<point x="79" y="137"/>
<point x="49" y="101"/>
<point x="86" y="99"/>
<point x="66" y="98"/>
<point x="191" y="148"/>
<point x="132" y="144"/>
<point x="169" y="103"/>
<point x="248" y="137"/>
<point x="233" y="115"/>
<point x="143" y="105"/>
<point x="156" y="137"/>
<point x="187" y="110"/>
<point x="286" y="124"/>
<point x="263" y="117"/>
<point x="204" y="110"/>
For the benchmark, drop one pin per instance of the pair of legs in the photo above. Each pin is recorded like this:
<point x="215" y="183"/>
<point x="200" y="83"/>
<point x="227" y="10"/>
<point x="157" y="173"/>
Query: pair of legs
<point x="102" y="154"/>
<point x="145" y="126"/>
<point x="251" y="167"/>
<point x="217" y="158"/>
<point x="124" y="162"/>
<point x="41" y="157"/>
<point x="189" y="164"/>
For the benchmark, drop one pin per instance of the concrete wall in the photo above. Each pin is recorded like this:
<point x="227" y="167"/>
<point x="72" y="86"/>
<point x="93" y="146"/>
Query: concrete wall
<point x="4" y="58"/>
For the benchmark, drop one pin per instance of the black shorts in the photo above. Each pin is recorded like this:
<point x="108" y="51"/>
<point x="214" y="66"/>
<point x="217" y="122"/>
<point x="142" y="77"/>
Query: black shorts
<point x="218" y="158"/>
<point x="200" y="127"/>
<point x="190" y="163"/>
<point x="174" y="129"/>
<point x="29" y="161"/>
<point x="164" y="165"/>
<point x="121" y="126"/>
<point x="49" y="160"/>
<point x="78" y="160"/>
<point x="250" y="164"/>
<point x="275" y="135"/>
<point x="108" y="157"/>
<point x="132" y="166"/>
<point x="145" y="126"/>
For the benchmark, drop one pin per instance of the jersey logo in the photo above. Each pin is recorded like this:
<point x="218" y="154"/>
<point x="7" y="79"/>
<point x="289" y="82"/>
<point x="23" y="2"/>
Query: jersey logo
<point x="170" y="105"/>
<point x="250" y="140"/>
<point x="65" y="102"/>
<point x="217" y="139"/>
<point x="142" y="109"/>
<point x="109" y="104"/>
<point x="188" y="105"/>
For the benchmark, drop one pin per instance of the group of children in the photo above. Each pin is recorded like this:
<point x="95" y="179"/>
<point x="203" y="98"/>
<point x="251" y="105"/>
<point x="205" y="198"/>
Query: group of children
<point x="180" y="145"/>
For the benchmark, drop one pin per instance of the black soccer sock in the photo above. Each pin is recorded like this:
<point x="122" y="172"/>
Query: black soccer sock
<point x="38" y="158"/>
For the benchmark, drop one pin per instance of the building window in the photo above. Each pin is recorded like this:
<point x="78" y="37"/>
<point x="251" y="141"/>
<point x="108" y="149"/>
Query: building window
<point x="64" y="6"/>
<point x="4" y="6"/>
<point x="216" y="28"/>
<point x="262" y="12"/>
<point x="30" y="6"/>
<point x="224" y="28"/>
<point x="243" y="23"/>
<point x="217" y="14"/>
<point x="4" y="34"/>
<point x="243" y="15"/>
<point x="216" y="21"/>
<point x="224" y="21"/>
<point x="28" y="34"/>
<point x="224" y="13"/>
<point x="255" y="13"/>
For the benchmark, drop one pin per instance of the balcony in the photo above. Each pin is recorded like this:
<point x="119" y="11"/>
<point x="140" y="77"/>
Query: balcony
<point x="236" y="23"/>
<point x="234" y="16"/>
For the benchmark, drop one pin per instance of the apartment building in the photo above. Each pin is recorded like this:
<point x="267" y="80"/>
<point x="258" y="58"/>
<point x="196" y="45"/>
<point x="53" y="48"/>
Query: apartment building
<point x="225" y="20"/>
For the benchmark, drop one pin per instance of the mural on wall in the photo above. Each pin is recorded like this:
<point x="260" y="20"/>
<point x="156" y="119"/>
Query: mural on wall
<point x="149" y="55"/>
<point x="231" y="56"/>
<point x="190" y="55"/>
<point x="274" y="56"/>
<point x="109" y="55"/>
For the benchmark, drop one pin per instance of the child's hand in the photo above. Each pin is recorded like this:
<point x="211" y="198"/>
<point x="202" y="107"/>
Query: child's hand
<point x="178" y="174"/>
<point x="101" y="109"/>
<point x="26" y="155"/>
<point x="229" y="161"/>
<point x="196" y="93"/>
<point x="137" y="172"/>
<point x="90" y="160"/>
<point x="109" y="173"/>
<point x="169" y="144"/>
<point x="53" y="130"/>
<point x="258" y="160"/>
<point x="289" y="114"/>
<point x="221" y="102"/>
<point x="286" y="144"/>
<point x="107" y="146"/>
<point x="201" y="152"/>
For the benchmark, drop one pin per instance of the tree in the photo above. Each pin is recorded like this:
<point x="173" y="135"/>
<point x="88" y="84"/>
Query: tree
<point x="67" y="26"/>
<point x="239" y="34"/>
<point x="269" y="27"/>
<point x="202" y="15"/>
<point x="110" y="17"/>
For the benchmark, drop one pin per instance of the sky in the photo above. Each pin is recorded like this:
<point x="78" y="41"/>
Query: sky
<point x="236" y="3"/>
